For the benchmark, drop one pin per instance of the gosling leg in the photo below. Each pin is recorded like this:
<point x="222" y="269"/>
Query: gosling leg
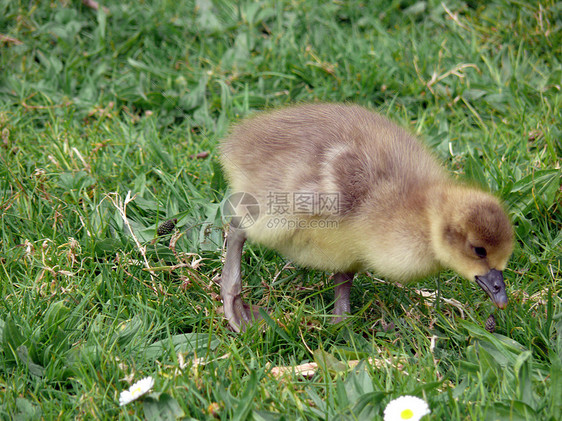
<point x="343" y="283"/>
<point x="236" y="311"/>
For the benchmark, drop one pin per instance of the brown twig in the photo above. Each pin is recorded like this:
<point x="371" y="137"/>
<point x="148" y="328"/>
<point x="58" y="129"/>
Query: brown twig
<point x="121" y="206"/>
<point x="92" y="4"/>
<point x="200" y="155"/>
<point x="7" y="39"/>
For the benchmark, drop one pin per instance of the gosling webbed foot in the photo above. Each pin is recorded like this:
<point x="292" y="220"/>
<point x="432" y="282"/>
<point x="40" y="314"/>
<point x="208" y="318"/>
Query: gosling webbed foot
<point x="241" y="314"/>
<point x="253" y="312"/>
<point x="231" y="279"/>
<point x="343" y="283"/>
<point x="238" y="313"/>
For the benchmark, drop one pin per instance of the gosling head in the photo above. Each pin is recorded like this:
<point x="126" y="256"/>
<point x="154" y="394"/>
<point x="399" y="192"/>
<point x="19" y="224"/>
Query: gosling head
<point x="474" y="237"/>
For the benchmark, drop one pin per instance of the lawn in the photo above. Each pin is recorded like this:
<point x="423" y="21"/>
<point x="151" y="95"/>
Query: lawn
<point x="109" y="125"/>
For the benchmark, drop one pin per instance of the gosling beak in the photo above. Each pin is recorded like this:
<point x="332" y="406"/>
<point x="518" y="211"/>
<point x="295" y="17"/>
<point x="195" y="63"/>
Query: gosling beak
<point x="492" y="283"/>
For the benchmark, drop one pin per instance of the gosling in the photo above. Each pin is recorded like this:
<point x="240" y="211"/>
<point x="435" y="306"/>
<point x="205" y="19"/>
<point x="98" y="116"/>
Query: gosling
<point x="339" y="188"/>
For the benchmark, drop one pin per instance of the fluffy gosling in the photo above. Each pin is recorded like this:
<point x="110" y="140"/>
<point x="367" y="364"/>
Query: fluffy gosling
<point x="340" y="188"/>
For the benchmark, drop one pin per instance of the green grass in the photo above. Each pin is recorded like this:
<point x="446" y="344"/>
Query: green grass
<point x="95" y="105"/>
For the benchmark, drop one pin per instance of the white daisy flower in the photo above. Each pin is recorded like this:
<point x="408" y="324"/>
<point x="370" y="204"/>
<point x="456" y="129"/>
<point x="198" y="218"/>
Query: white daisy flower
<point x="408" y="408"/>
<point x="136" y="391"/>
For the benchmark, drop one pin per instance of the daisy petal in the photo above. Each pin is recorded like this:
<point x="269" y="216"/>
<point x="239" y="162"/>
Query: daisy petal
<point x="136" y="391"/>
<point x="409" y="408"/>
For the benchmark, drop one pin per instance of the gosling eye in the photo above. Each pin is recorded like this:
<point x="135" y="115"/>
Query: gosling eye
<point x="480" y="252"/>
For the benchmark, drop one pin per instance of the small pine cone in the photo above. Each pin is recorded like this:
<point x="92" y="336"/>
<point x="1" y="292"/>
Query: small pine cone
<point x="166" y="227"/>
<point x="491" y="323"/>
